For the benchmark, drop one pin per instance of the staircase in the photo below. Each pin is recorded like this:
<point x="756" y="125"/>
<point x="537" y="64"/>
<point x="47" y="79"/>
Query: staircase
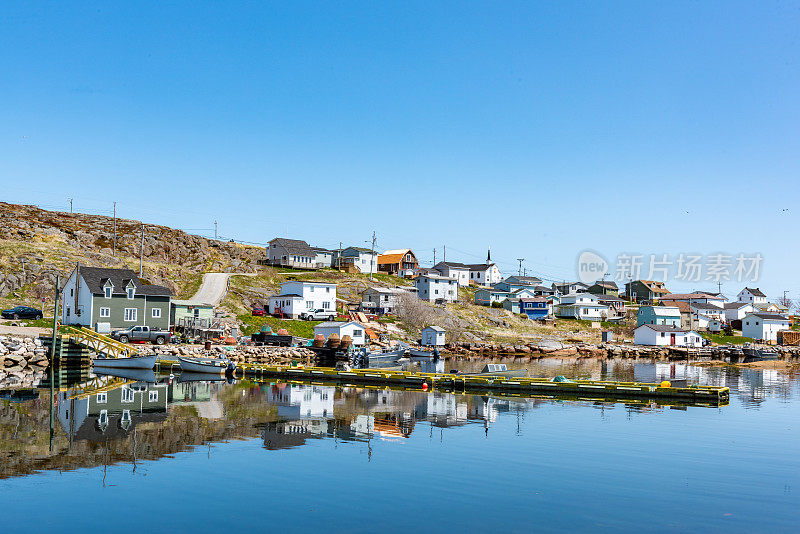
<point x="98" y="342"/>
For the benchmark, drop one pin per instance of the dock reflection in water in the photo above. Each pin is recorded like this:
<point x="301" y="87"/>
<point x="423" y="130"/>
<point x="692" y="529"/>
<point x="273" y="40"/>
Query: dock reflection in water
<point x="116" y="422"/>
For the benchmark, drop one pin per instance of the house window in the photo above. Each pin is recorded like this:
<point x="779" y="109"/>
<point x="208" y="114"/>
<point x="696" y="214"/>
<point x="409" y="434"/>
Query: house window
<point x="311" y="289"/>
<point x="130" y="314"/>
<point x="326" y="305"/>
<point x="152" y="395"/>
<point x="156" y="313"/>
<point x="310" y="304"/>
<point x="71" y="292"/>
<point x="105" y="312"/>
<point x="102" y="398"/>
<point x="107" y="291"/>
<point x="131" y="292"/>
<point x="127" y="395"/>
<point x="357" y="333"/>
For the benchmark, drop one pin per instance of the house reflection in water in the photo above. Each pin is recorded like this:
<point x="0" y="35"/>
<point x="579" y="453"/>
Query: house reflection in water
<point x="110" y="408"/>
<point x="202" y="395"/>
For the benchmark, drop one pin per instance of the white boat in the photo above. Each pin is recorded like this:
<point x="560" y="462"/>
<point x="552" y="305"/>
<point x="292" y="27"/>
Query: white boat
<point x="140" y="375"/>
<point x="133" y="362"/>
<point x="204" y="365"/>
<point x="419" y="354"/>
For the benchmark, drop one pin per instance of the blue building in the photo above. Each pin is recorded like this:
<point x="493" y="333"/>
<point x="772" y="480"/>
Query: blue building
<point x="659" y="315"/>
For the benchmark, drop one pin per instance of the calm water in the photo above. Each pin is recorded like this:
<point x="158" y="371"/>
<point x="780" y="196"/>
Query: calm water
<point x="189" y="456"/>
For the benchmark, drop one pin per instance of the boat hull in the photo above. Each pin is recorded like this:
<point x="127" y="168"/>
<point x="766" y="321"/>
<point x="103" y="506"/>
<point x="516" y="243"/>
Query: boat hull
<point x="140" y="375"/>
<point x="138" y="362"/>
<point x="206" y="366"/>
<point x="511" y="373"/>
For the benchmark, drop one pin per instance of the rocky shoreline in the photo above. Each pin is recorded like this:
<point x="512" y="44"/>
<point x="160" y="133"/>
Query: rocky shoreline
<point x="22" y="361"/>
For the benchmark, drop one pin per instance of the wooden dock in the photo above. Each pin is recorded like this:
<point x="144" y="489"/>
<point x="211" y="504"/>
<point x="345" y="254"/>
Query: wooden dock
<point x="597" y="389"/>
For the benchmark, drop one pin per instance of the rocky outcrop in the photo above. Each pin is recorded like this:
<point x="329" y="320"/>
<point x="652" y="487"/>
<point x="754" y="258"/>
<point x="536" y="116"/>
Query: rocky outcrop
<point x="22" y="362"/>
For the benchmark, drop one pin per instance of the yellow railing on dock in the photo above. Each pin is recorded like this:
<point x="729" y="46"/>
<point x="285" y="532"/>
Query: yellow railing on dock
<point x="98" y="342"/>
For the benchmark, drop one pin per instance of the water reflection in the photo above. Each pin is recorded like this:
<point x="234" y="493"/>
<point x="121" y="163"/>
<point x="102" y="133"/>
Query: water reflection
<point x="129" y="416"/>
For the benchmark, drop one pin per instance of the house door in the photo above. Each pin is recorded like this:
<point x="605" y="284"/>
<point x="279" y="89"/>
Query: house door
<point x="672" y="339"/>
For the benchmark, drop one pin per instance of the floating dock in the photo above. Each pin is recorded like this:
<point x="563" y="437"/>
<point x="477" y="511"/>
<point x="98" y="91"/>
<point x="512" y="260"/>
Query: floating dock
<point x="595" y="389"/>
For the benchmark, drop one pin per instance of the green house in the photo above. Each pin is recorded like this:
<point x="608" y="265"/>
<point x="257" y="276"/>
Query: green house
<point x="105" y="299"/>
<point x="189" y="313"/>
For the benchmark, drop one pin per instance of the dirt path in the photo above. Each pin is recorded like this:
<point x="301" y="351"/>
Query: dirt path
<point x="213" y="288"/>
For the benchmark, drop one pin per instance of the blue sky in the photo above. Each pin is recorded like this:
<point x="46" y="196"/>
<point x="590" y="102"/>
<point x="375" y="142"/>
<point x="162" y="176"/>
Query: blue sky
<point x="541" y="129"/>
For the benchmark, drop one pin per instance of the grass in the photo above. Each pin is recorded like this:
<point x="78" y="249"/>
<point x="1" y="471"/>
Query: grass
<point x="252" y="324"/>
<point x="722" y="339"/>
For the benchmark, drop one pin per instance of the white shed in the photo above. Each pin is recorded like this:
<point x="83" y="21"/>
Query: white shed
<point x="764" y="326"/>
<point x="343" y="328"/>
<point x="660" y="335"/>
<point x="433" y="336"/>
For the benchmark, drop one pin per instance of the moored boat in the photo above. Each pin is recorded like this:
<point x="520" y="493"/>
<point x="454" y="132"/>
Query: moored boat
<point x="753" y="353"/>
<point x="133" y="362"/>
<point x="420" y="354"/>
<point x="205" y="365"/>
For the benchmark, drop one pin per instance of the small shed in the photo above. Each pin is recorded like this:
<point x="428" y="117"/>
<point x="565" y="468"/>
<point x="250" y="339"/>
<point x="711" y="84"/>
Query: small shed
<point x="191" y="314"/>
<point x="608" y="336"/>
<point x="433" y="336"/>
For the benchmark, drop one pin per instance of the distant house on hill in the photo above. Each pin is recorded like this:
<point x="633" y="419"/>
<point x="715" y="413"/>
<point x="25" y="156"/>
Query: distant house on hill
<point x="604" y="287"/>
<point x="115" y="298"/>
<point x="293" y="253"/>
<point x="513" y="283"/>
<point x="382" y="300"/>
<point x="484" y="274"/>
<point x="451" y="269"/>
<point x="323" y="258"/>
<point x="567" y="288"/>
<point x="659" y="315"/>
<point x="752" y="295"/>
<point x="400" y="262"/>
<point x="646" y="290"/>
<point x="297" y="297"/>
<point x="765" y="326"/>
<point x="435" y="288"/>
<point x="364" y="259"/>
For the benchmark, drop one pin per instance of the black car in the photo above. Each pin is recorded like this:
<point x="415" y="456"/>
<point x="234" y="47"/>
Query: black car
<point x="22" y="312"/>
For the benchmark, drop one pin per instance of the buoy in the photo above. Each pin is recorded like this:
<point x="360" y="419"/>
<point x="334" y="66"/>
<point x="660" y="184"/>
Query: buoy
<point x="666" y="384"/>
<point x="424" y="386"/>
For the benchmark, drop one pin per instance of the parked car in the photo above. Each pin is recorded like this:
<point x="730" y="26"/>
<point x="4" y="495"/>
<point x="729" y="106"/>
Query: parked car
<point x="258" y="312"/>
<point x="141" y="333"/>
<point x="318" y="315"/>
<point x="22" y="312"/>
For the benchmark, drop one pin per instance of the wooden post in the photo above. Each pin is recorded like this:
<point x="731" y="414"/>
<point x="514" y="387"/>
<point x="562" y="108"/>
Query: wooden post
<point x="52" y="363"/>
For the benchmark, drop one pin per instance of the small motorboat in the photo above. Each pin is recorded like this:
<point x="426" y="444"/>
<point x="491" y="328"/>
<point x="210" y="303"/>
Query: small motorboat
<point x="419" y="354"/>
<point x="364" y="359"/>
<point x="215" y="366"/>
<point x="132" y="362"/>
<point x="499" y="369"/>
<point x="753" y="353"/>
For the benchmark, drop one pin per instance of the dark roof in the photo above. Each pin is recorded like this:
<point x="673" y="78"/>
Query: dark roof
<point x="773" y="316"/>
<point x="359" y="249"/>
<point x="607" y="284"/>
<point x="321" y="249"/>
<point x="479" y="266"/>
<point x="664" y="328"/>
<point x="293" y="246"/>
<point x="528" y="280"/>
<point x="96" y="278"/>
<point x="451" y="264"/>
<point x="756" y="292"/>
<point x="735" y="305"/>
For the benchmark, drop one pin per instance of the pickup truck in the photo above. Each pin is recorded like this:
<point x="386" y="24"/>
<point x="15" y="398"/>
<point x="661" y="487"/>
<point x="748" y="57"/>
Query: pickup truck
<point x="141" y="333"/>
<point x="318" y="315"/>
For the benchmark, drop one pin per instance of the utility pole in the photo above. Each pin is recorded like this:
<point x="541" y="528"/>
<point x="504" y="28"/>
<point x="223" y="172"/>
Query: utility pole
<point x="372" y="256"/>
<point x="141" y="254"/>
<point x="215" y="230"/>
<point x="70" y="205"/>
<point x="719" y="287"/>
<point x="52" y="363"/>
<point x="339" y="258"/>
<point x="520" y="260"/>
<point x="444" y="253"/>
<point x="434" y="257"/>
<point x="115" y="230"/>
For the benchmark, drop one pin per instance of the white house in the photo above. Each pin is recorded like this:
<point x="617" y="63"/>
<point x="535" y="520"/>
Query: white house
<point x="752" y="295"/>
<point x="569" y="288"/>
<point x="294" y="253"/>
<point x="297" y="401"/>
<point x="381" y="300"/>
<point x="365" y="259"/>
<point x="299" y="296"/>
<point x="450" y="269"/>
<point x="581" y="306"/>
<point x="660" y="335"/>
<point x="323" y="258"/>
<point x="433" y="336"/>
<point x="343" y="328"/>
<point x="435" y="288"/>
<point x="735" y="311"/>
<point x="704" y="314"/>
<point x="764" y="326"/>
<point x="484" y="274"/>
